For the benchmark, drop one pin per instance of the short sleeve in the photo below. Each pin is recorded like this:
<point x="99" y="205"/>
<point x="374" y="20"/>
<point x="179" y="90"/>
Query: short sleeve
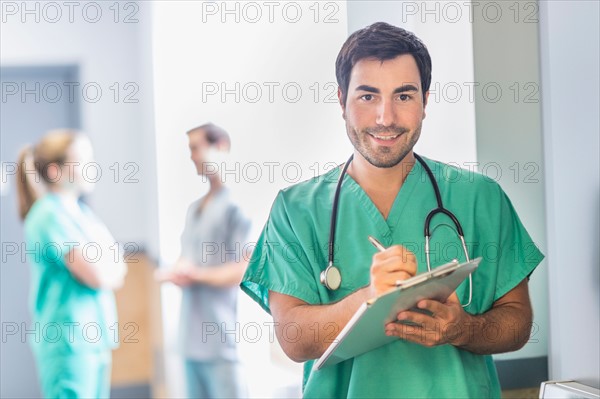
<point x="60" y="236"/>
<point x="494" y="233"/>
<point x="280" y="262"/>
<point x="518" y="255"/>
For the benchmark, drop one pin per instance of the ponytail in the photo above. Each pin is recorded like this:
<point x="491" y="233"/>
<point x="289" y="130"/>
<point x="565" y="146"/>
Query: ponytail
<point x="27" y="194"/>
<point x="32" y="168"/>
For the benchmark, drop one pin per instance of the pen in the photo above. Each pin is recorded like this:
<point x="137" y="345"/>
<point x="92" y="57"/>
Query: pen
<point x="376" y="244"/>
<point x="381" y="248"/>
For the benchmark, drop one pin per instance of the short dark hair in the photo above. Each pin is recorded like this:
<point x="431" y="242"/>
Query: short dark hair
<point x="214" y="134"/>
<point x="381" y="41"/>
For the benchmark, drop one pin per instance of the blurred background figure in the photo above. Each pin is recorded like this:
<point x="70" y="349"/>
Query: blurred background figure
<point x="209" y="270"/>
<point x="75" y="267"/>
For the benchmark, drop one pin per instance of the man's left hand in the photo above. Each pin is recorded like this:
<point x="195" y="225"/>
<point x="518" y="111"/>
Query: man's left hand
<point x="441" y="323"/>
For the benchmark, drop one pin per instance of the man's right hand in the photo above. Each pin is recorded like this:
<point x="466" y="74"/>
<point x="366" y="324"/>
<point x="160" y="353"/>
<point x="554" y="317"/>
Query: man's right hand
<point x="177" y="274"/>
<point x="389" y="267"/>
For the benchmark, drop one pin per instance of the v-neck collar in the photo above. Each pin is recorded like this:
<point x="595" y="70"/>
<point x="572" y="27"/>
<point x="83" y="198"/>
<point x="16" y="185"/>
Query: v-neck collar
<point x="214" y="201"/>
<point x="386" y="226"/>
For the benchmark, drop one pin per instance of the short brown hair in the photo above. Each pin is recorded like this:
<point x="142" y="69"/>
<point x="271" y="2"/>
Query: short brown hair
<point x="383" y="42"/>
<point x="214" y="134"/>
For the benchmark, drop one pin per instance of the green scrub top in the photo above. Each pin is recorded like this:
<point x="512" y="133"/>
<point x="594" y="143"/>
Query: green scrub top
<point x="68" y="316"/>
<point x="292" y="251"/>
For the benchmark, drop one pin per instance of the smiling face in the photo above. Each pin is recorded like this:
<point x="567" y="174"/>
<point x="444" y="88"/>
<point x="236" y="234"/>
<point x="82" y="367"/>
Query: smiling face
<point x="384" y="109"/>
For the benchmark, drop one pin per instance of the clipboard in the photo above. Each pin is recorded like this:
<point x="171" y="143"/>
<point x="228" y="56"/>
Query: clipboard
<point x="365" y="331"/>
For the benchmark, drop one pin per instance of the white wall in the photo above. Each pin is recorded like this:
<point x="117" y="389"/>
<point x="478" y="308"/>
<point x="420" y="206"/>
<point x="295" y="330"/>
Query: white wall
<point x="276" y="141"/>
<point x="509" y="132"/>
<point x="107" y="52"/>
<point x="569" y="42"/>
<point x="193" y="56"/>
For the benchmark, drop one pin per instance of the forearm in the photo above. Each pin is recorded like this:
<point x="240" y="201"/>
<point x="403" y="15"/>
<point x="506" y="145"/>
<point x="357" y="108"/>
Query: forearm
<point x="315" y="326"/>
<point x="226" y="275"/>
<point x="112" y="277"/>
<point x="505" y="327"/>
<point x="96" y="275"/>
<point x="501" y="329"/>
<point x="319" y="325"/>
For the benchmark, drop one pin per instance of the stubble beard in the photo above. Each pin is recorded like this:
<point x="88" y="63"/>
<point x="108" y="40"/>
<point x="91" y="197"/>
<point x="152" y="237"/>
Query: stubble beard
<point x="383" y="156"/>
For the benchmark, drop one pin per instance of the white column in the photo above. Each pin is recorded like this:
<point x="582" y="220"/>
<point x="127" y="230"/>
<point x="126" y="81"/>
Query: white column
<point x="569" y="44"/>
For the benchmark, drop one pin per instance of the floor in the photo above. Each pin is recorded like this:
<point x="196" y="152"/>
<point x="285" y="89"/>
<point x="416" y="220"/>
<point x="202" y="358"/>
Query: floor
<point x="526" y="393"/>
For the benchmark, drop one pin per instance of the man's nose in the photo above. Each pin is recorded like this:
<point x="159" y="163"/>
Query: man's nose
<point x="385" y="113"/>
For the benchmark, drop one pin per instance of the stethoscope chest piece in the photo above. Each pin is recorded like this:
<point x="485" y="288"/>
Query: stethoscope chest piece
<point x="331" y="277"/>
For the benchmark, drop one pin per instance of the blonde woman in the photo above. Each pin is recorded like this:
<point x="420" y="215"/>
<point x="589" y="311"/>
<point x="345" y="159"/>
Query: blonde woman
<point x="74" y="269"/>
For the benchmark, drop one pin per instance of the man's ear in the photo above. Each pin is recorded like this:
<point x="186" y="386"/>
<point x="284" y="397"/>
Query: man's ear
<point x="425" y="99"/>
<point x="341" y="101"/>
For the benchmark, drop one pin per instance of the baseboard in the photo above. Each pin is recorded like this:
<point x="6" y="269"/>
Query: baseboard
<point x="137" y="391"/>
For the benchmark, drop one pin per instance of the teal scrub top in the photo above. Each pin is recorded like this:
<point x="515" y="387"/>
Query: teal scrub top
<point x="68" y="316"/>
<point x="292" y="251"/>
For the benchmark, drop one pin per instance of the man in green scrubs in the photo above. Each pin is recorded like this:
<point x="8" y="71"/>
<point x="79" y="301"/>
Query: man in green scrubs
<point x="384" y="73"/>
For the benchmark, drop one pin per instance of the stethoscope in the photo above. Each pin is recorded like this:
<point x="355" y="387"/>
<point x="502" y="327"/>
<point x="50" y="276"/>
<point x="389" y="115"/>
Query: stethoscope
<point x="331" y="276"/>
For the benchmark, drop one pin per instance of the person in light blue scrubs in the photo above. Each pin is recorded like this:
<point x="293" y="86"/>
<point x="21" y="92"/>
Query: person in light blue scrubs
<point x="384" y="74"/>
<point x="74" y="269"/>
<point x="210" y="267"/>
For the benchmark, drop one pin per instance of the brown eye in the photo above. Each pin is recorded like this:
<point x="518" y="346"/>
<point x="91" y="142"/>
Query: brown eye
<point x="367" y="97"/>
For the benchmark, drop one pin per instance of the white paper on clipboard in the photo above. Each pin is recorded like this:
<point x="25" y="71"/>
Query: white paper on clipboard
<point x="366" y="329"/>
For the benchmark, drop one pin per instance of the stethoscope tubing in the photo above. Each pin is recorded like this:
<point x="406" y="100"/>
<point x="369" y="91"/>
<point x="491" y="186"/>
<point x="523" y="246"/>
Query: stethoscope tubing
<point x="426" y="230"/>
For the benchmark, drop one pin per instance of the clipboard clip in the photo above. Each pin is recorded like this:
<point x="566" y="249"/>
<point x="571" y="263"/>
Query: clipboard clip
<point x="419" y="278"/>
